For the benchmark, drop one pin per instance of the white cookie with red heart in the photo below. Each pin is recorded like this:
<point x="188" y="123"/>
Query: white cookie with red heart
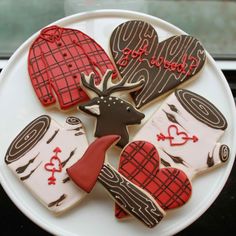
<point x="186" y="130"/>
<point x="39" y="156"/>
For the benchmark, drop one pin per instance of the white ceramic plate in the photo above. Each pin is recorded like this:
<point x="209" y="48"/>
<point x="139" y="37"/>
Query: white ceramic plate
<point x="95" y="215"/>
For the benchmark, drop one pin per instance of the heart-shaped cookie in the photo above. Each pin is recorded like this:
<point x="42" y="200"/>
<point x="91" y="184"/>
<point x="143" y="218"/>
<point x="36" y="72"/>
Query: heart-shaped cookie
<point x="140" y="163"/>
<point x="138" y="55"/>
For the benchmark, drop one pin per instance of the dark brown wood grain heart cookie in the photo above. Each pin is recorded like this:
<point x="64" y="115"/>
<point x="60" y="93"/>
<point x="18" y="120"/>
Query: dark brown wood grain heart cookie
<point x="138" y="55"/>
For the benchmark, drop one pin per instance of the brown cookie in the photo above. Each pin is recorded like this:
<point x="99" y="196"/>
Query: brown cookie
<point x="112" y="113"/>
<point x="138" y="55"/>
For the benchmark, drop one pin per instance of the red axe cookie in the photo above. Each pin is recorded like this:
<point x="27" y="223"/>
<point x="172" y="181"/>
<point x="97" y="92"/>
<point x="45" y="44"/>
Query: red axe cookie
<point x="140" y="163"/>
<point x="56" y="59"/>
<point x="93" y="167"/>
<point x="163" y="65"/>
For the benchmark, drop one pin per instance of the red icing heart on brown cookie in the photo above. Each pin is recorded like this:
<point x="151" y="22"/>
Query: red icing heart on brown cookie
<point x="138" y="55"/>
<point x="140" y="163"/>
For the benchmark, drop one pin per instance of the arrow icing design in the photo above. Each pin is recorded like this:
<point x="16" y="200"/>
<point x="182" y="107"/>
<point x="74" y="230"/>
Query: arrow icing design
<point x="54" y="165"/>
<point x="176" y="137"/>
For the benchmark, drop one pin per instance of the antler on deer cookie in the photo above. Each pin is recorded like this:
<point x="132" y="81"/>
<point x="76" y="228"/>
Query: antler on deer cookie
<point x="113" y="114"/>
<point x="107" y="87"/>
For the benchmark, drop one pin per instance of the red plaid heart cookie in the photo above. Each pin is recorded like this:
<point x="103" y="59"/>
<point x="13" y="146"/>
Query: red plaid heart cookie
<point x="56" y="60"/>
<point x="140" y="163"/>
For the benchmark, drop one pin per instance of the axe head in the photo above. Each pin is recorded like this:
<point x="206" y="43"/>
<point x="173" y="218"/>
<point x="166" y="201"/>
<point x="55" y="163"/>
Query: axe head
<point x="85" y="171"/>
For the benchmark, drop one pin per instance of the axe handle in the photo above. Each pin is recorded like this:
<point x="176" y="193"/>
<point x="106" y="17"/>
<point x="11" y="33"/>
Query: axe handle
<point x="130" y="197"/>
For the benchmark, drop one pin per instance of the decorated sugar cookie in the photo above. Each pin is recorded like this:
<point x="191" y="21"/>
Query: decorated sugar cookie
<point x="163" y="65"/>
<point x="186" y="130"/>
<point x="112" y="113"/>
<point x="140" y="163"/>
<point x="56" y="59"/>
<point x="93" y="167"/>
<point x="39" y="156"/>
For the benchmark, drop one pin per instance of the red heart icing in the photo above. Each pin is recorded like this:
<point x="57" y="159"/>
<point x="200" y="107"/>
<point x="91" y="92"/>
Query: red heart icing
<point x="138" y="55"/>
<point x="54" y="165"/>
<point x="140" y="163"/>
<point x="176" y="137"/>
<point x="179" y="137"/>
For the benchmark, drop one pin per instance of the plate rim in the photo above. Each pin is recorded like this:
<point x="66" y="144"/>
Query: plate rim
<point x="117" y="13"/>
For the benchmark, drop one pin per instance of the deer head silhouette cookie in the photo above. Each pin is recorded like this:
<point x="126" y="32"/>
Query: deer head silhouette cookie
<point x="39" y="156"/>
<point x="162" y="65"/>
<point x="112" y="113"/>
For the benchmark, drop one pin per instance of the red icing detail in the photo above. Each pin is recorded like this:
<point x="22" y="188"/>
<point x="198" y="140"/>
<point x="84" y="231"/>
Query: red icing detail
<point x="51" y="34"/>
<point x="56" y="60"/>
<point x="176" y="137"/>
<point x="54" y="165"/>
<point x="174" y="66"/>
<point x="140" y="54"/>
<point x="128" y="54"/>
<point x="86" y="170"/>
<point x="139" y="163"/>
<point x="57" y="150"/>
<point x="165" y="64"/>
<point x="119" y="213"/>
<point x="162" y="137"/>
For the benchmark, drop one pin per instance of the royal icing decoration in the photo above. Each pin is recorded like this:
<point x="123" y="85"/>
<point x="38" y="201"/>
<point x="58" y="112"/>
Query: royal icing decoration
<point x="128" y="196"/>
<point x="85" y="172"/>
<point x="54" y="165"/>
<point x="163" y="66"/>
<point x="112" y="114"/>
<point x="139" y="163"/>
<point x="176" y="137"/>
<point x="56" y="59"/>
<point x="186" y="130"/>
<point x="39" y="156"/>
